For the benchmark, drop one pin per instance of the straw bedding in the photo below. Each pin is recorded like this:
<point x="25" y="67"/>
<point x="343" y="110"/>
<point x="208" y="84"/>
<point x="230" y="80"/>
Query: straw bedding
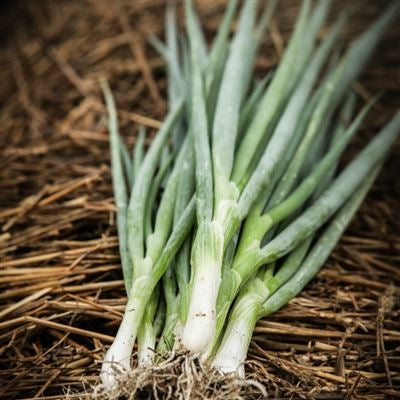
<point x="61" y="289"/>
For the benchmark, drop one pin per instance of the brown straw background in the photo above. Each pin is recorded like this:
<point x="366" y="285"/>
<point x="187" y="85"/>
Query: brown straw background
<point x="61" y="289"/>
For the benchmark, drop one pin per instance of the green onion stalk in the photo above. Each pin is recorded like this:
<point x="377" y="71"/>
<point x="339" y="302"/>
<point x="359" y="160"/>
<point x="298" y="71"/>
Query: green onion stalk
<point x="148" y="256"/>
<point x="243" y="179"/>
<point x="217" y="196"/>
<point x="252" y="254"/>
<point x="248" y="308"/>
<point x="265" y="294"/>
<point x="217" y="220"/>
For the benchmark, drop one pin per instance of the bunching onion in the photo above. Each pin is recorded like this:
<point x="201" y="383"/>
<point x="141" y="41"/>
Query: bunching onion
<point x="238" y="201"/>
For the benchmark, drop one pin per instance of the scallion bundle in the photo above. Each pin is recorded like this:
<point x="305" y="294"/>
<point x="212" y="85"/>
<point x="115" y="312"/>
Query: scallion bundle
<point x="237" y="204"/>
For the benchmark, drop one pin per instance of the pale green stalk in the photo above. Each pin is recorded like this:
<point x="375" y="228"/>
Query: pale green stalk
<point x="321" y="250"/>
<point x="263" y="298"/>
<point x="312" y="29"/>
<point x="251" y="51"/>
<point x="272" y="101"/>
<point x="165" y="217"/>
<point x="167" y="338"/>
<point x="138" y="152"/>
<point x="173" y="69"/>
<point x="232" y="351"/>
<point x="340" y="129"/>
<point x="176" y="280"/>
<point x="217" y="50"/>
<point x="330" y="200"/>
<point x="119" y="186"/>
<point x="314" y="217"/>
<point x="360" y="52"/>
<point x="182" y="261"/>
<point x="162" y="172"/>
<point x="207" y="247"/>
<point x="307" y="187"/>
<point x="309" y="124"/>
<point x="126" y="162"/>
<point x="117" y="358"/>
<point x="226" y="359"/>
<point x="155" y="240"/>
<point x="228" y="213"/>
<point x="284" y="132"/>
<point x="250" y="106"/>
<point x="146" y="337"/>
<point x="141" y="188"/>
<point x="159" y="319"/>
<point x="162" y="245"/>
<point x="226" y="119"/>
<point x="176" y="83"/>
<point x="197" y="40"/>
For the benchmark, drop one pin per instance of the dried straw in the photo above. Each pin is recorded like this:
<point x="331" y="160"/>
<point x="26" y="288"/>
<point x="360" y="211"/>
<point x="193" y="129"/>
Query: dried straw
<point x="61" y="292"/>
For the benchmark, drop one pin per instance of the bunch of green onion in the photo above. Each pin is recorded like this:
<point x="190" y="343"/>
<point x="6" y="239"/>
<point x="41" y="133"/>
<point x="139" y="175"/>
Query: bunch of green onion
<point x="237" y="204"/>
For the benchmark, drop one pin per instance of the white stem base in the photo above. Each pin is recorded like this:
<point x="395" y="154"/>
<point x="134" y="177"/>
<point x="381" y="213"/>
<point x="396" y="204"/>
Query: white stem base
<point x="118" y="356"/>
<point x="232" y="353"/>
<point x="200" y="325"/>
<point x="199" y="329"/>
<point x="147" y="345"/>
